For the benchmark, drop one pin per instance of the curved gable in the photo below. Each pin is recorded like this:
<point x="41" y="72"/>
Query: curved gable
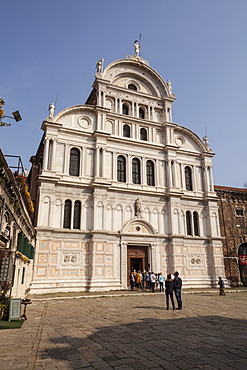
<point x="148" y="81"/>
<point x="79" y="117"/>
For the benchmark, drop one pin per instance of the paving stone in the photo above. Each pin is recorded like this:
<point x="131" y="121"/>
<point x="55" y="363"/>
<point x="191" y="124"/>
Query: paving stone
<point x="129" y="332"/>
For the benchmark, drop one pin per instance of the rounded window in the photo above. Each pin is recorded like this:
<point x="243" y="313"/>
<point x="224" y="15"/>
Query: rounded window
<point x="132" y="87"/>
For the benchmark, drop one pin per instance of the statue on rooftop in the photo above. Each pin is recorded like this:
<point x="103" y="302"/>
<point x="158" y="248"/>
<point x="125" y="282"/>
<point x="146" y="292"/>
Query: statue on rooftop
<point x="137" y="48"/>
<point x="51" y="109"/>
<point x="99" y="65"/>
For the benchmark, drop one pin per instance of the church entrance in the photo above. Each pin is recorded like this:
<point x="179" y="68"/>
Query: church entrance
<point x="137" y="258"/>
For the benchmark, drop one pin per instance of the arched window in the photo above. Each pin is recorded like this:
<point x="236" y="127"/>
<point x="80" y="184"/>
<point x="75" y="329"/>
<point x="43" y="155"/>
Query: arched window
<point x="141" y="113"/>
<point x="121" y="169"/>
<point x="74" y="162"/>
<point x="77" y="215"/>
<point x="136" y="171"/>
<point x="196" y="223"/>
<point x="144" y="135"/>
<point x="188" y="178"/>
<point x="126" y="131"/>
<point x="150" y="173"/>
<point x="188" y="223"/>
<point x="67" y="214"/>
<point x="125" y="109"/>
<point x="132" y="87"/>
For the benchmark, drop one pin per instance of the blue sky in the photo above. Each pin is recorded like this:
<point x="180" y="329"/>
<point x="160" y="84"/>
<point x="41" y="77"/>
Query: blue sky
<point x="51" y="47"/>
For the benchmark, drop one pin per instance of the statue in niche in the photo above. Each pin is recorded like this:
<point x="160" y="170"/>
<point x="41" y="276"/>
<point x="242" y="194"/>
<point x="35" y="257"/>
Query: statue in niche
<point x="99" y="65"/>
<point x="138" y="208"/>
<point x="137" y="48"/>
<point x="51" y="109"/>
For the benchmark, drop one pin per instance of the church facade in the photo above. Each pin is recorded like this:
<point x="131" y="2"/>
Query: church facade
<point x="118" y="186"/>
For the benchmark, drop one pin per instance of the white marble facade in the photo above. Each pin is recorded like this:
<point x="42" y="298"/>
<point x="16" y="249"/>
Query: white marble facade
<point x="97" y="160"/>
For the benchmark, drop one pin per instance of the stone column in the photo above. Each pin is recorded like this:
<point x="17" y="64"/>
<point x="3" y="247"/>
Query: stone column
<point x="129" y="169"/>
<point x="114" y="166"/>
<point x="123" y="262"/>
<point x="82" y="165"/>
<point x="143" y="171"/>
<point x="54" y="148"/>
<point x="156" y="172"/>
<point x="66" y="159"/>
<point x="96" y="163"/>
<point x="103" y="163"/>
<point x="46" y="152"/>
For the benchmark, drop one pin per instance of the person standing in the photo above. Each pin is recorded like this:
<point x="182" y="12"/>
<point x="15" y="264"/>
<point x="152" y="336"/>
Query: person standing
<point x="177" y="287"/>
<point x="221" y="286"/>
<point x="161" y="282"/>
<point x="132" y="281"/>
<point x="169" y="291"/>
<point x="153" y="281"/>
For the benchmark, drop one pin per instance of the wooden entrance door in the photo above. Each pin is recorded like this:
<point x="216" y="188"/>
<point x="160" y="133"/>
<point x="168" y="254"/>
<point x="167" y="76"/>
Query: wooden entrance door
<point x="137" y="258"/>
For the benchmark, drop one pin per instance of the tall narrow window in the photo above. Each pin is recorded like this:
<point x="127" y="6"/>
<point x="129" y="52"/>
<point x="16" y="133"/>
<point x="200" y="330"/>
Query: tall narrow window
<point x="77" y="215"/>
<point x="125" y="109"/>
<point x="136" y="171"/>
<point x="74" y="162"/>
<point x="188" y="223"/>
<point x="67" y="214"/>
<point x="144" y="135"/>
<point x="196" y="223"/>
<point x="188" y="178"/>
<point x="126" y="131"/>
<point x="150" y="173"/>
<point x="141" y="113"/>
<point x="121" y="169"/>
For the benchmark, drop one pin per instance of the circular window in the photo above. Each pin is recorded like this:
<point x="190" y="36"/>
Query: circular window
<point x="132" y="87"/>
<point x="138" y="228"/>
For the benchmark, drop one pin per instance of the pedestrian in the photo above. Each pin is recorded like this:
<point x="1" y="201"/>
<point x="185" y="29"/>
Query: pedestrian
<point x="177" y="286"/>
<point x="132" y="281"/>
<point x="169" y="292"/>
<point x="221" y="286"/>
<point x="152" y="281"/>
<point x="161" y="282"/>
<point x="138" y="280"/>
<point x="147" y="279"/>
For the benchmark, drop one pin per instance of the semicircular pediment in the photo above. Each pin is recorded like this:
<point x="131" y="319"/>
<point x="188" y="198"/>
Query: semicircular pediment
<point x="138" y="226"/>
<point x="120" y="71"/>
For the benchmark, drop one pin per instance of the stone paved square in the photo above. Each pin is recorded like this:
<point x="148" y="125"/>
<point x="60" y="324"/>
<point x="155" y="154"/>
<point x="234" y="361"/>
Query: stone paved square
<point x="130" y="332"/>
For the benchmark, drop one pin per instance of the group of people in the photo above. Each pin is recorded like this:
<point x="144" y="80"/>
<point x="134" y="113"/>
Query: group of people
<point x="156" y="282"/>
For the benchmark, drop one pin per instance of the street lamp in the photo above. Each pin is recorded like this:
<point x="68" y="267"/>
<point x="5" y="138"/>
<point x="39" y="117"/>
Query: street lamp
<point x="16" y="115"/>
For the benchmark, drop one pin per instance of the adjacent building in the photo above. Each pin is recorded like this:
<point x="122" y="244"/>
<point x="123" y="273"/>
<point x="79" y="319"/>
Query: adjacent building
<point x="233" y="225"/>
<point x="17" y="235"/>
<point x="118" y="186"/>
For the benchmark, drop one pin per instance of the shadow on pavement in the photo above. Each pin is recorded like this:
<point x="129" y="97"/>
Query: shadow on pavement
<point x="203" y="342"/>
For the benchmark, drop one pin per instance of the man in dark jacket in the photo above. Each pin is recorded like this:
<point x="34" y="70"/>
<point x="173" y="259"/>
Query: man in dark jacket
<point x="177" y="286"/>
<point x="169" y="291"/>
